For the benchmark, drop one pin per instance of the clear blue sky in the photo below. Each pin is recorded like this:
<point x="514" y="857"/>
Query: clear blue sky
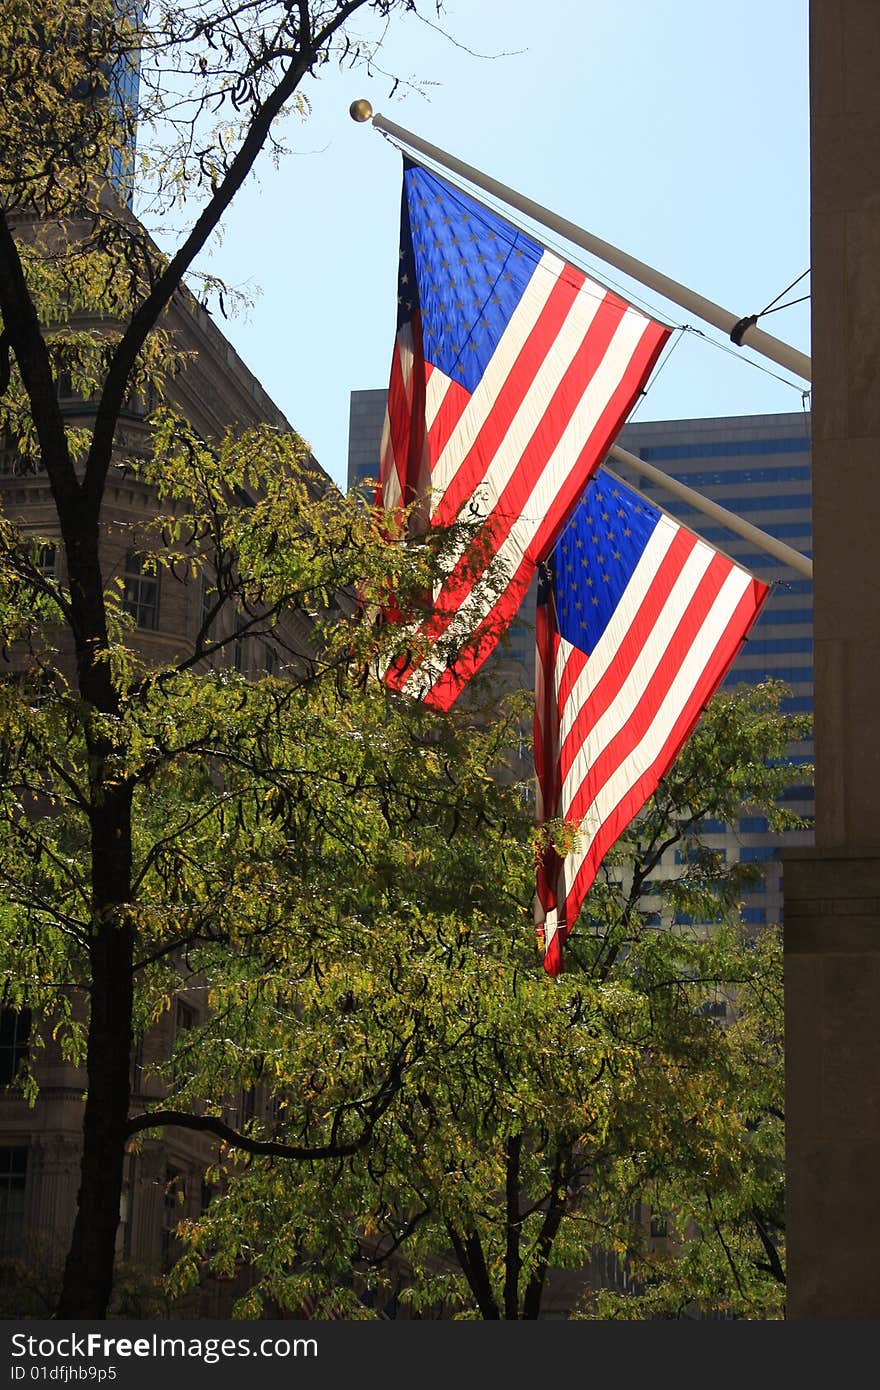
<point x="675" y="129"/>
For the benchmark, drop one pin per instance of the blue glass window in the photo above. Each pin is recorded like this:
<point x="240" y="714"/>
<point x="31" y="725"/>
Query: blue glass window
<point x="786" y="616"/>
<point x="691" y="856"/>
<point x="794" y="586"/>
<point x="724" y="536"/>
<point x="802" y="792"/>
<point x="786" y="673"/>
<point x="723" y="477"/>
<point x="735" y="448"/>
<point x="754" y="916"/>
<point x="776" y="502"/>
<point x="766" y="646"/>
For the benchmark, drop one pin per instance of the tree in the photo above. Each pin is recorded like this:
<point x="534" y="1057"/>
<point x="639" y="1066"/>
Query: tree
<point x="721" y="1211"/>
<point x="91" y="735"/>
<point x="540" y="1116"/>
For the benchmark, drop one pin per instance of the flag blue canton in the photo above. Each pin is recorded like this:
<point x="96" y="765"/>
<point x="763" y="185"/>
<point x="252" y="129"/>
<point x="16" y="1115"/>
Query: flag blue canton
<point x="470" y="269"/>
<point x="596" y="556"/>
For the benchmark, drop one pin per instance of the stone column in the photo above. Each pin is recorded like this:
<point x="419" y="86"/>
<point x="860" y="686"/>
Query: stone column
<point x="832" y="893"/>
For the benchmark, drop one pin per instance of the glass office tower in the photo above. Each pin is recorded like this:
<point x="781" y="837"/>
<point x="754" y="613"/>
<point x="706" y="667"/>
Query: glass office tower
<point x="123" y="91"/>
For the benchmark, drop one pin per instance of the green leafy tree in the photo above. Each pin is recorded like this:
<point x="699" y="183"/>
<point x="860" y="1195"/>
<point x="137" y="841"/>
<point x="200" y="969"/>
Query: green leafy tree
<point x="96" y="891"/>
<point x="539" y="1117"/>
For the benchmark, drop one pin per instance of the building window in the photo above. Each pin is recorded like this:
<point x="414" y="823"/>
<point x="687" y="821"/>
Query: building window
<point x="780" y="671"/>
<point x="797" y="704"/>
<point x="209" y="601"/>
<point x="13" y="1173"/>
<point x="774" y="617"/>
<point x="733" y="448"/>
<point x="771" y="646"/>
<point x="125" y="1232"/>
<point x="695" y="854"/>
<point x="172" y="1211"/>
<point x="802" y="792"/>
<point x="185" y="1016"/>
<point x="775" y="502"/>
<point x="714" y="1008"/>
<point x="137" y="1066"/>
<point x="15" y="1032"/>
<point x="47" y="560"/>
<point x="754" y="916"/>
<point x="794" y="586"/>
<point x="140" y="593"/>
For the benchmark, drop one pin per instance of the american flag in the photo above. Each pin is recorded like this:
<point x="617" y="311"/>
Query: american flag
<point x="512" y="373"/>
<point x="638" y="621"/>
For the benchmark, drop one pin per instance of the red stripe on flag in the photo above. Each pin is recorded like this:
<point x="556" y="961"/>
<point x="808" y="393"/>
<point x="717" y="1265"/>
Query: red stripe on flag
<point x="406" y="416"/>
<point x="546" y="741"/>
<point x="546" y="731"/>
<point x="553" y="962"/>
<point x="396" y="450"/>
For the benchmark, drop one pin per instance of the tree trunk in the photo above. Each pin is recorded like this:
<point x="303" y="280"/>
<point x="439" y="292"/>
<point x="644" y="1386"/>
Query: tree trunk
<point x="512" y="1258"/>
<point x="88" y="1275"/>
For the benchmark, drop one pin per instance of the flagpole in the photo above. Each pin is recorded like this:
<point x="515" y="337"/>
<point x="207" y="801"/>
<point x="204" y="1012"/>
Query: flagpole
<point x="750" y="336"/>
<point x="799" y="563"/>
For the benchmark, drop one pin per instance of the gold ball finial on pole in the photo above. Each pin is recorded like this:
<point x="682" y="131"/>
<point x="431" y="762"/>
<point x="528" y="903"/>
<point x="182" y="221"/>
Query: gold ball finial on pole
<point x="360" y="110"/>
